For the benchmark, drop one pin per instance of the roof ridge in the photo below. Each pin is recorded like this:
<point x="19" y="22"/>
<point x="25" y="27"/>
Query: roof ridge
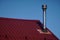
<point x="19" y="19"/>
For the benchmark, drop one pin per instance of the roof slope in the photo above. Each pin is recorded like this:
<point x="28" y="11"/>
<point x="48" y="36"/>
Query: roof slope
<point x="19" y="29"/>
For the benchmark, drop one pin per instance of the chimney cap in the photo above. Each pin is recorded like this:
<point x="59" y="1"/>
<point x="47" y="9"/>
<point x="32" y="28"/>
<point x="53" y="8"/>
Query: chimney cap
<point x="44" y="7"/>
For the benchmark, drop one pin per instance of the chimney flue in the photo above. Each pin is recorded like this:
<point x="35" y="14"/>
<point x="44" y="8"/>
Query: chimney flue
<point x="44" y="7"/>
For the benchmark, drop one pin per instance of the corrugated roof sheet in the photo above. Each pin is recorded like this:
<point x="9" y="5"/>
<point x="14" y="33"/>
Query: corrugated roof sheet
<point x="20" y="29"/>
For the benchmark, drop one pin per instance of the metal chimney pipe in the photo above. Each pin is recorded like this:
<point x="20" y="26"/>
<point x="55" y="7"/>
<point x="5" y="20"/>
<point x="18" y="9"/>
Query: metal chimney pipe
<point x="44" y="7"/>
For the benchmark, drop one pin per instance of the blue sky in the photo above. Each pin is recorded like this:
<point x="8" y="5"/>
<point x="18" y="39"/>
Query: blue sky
<point x="32" y="10"/>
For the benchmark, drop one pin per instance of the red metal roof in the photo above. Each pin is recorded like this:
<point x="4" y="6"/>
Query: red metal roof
<point x="19" y="29"/>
